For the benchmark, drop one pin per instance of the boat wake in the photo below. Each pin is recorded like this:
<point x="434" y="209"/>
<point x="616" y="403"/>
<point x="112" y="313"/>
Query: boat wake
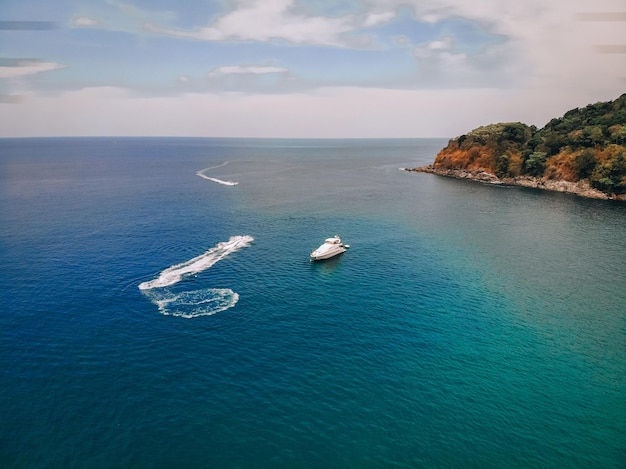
<point x="199" y="302"/>
<point x="191" y="304"/>
<point x="176" y="273"/>
<point x="219" y="181"/>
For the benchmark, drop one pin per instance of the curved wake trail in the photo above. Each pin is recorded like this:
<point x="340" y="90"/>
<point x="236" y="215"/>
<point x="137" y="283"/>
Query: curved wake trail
<point x="219" y="181"/>
<point x="191" y="304"/>
<point x="176" y="273"/>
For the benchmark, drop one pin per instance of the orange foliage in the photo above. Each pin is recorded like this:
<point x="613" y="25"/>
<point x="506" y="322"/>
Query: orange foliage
<point x="562" y="166"/>
<point x="485" y="157"/>
<point x="449" y="158"/>
<point x="608" y="153"/>
<point x="515" y="163"/>
<point x="474" y="158"/>
<point x="483" y="160"/>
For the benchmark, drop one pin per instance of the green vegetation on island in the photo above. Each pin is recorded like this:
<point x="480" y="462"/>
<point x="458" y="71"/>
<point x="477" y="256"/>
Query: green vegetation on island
<point x="586" y="145"/>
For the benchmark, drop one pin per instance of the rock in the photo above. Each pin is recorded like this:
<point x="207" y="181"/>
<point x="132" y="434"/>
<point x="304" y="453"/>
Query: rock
<point x="581" y="188"/>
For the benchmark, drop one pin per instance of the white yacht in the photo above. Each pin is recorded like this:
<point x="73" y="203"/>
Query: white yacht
<point x="331" y="247"/>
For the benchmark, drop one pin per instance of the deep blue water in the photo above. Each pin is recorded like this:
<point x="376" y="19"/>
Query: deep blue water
<point x="468" y="325"/>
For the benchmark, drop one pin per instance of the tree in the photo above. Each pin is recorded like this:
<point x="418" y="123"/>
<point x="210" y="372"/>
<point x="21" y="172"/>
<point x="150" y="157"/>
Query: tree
<point x="535" y="165"/>
<point x="618" y="133"/>
<point x="502" y="166"/>
<point x="610" y="177"/>
<point x="585" y="163"/>
<point x="593" y="135"/>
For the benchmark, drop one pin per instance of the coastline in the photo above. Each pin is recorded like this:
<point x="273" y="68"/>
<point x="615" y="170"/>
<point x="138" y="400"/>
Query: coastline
<point x="581" y="188"/>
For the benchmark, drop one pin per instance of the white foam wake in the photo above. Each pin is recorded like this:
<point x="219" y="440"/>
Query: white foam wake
<point x="219" y="181"/>
<point x="176" y="273"/>
<point x="192" y="304"/>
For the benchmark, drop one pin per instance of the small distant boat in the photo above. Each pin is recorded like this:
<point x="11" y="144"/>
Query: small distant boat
<point x="330" y="248"/>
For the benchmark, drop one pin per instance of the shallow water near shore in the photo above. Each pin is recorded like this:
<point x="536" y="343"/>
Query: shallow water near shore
<point x="159" y="309"/>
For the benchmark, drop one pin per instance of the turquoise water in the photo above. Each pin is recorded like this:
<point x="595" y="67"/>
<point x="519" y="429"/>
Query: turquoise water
<point x="467" y="325"/>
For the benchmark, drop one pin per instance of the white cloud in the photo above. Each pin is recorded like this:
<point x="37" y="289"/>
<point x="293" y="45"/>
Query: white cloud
<point x="547" y="39"/>
<point x="250" y="69"/>
<point x="441" y="65"/>
<point x="28" y="67"/>
<point x="375" y="19"/>
<point x="329" y="112"/>
<point x="444" y="45"/>
<point x="84" y="22"/>
<point x="440" y="58"/>
<point x="264" y="20"/>
<point x="326" y="113"/>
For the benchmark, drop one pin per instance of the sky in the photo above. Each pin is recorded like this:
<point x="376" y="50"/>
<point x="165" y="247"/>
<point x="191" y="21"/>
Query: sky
<point x="302" y="68"/>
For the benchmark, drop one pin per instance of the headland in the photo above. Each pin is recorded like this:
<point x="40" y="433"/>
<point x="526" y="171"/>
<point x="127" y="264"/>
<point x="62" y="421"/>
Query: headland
<point x="582" y="153"/>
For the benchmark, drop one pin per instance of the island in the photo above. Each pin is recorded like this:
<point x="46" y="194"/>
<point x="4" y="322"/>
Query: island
<point x="583" y="153"/>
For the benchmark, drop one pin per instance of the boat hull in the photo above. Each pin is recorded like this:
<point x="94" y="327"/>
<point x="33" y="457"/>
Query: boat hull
<point x="315" y="256"/>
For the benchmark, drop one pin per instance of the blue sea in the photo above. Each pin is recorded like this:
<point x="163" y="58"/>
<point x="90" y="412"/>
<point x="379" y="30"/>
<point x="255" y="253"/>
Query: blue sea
<point x="159" y="309"/>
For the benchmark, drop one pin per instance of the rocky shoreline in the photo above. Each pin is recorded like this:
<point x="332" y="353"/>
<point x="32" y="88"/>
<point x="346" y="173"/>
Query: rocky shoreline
<point x="580" y="188"/>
